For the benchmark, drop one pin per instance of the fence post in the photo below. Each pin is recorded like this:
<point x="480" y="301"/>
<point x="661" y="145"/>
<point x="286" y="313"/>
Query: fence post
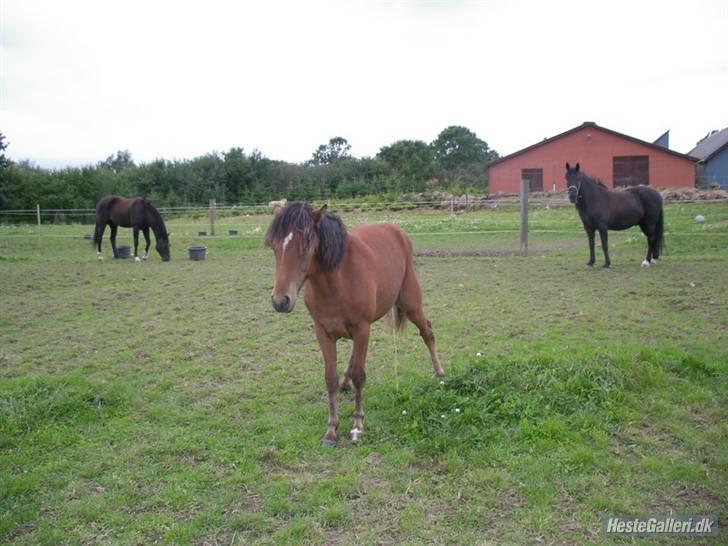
<point x="37" y="214"/>
<point x="213" y="213"/>
<point x="524" y="217"/>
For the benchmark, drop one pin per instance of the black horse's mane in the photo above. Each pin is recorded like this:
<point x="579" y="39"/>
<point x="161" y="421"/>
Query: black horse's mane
<point x="160" y="230"/>
<point x="592" y="179"/>
<point x="330" y="232"/>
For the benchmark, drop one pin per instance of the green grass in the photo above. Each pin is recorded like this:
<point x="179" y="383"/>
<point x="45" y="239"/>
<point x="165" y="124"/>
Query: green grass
<point x="168" y="403"/>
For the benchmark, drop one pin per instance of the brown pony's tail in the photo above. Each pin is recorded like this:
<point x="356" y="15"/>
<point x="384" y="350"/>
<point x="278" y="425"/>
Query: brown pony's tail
<point x="396" y="319"/>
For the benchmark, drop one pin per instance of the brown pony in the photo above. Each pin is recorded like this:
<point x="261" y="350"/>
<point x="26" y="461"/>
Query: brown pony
<point x="351" y="281"/>
<point x="137" y="213"/>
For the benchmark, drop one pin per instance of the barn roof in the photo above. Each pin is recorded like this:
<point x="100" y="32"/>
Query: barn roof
<point x="592" y="125"/>
<point x="710" y="145"/>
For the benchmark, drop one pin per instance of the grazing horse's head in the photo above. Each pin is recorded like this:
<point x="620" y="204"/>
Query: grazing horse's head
<point x="162" y="246"/>
<point x="303" y="241"/>
<point x="573" y="182"/>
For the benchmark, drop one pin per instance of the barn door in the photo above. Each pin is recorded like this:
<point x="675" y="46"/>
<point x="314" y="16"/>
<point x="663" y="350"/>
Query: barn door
<point x="534" y="177"/>
<point x="631" y="170"/>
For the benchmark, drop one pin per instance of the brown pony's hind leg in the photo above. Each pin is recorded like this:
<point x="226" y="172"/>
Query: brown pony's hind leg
<point x="410" y="299"/>
<point x="328" y="350"/>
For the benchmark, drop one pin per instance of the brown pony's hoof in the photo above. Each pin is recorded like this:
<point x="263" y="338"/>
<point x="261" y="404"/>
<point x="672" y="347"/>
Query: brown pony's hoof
<point x="345" y="387"/>
<point x="328" y="443"/>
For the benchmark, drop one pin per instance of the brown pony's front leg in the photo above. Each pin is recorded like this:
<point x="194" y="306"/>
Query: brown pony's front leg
<point x="328" y="350"/>
<point x="358" y="376"/>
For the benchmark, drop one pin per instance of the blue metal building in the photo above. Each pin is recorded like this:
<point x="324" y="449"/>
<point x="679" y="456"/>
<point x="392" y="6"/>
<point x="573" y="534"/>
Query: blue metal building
<point x="713" y="154"/>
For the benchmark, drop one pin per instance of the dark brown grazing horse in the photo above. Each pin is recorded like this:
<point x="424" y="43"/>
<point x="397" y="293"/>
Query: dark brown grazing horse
<point x="352" y="279"/>
<point x="136" y="213"/>
<point x="601" y="209"/>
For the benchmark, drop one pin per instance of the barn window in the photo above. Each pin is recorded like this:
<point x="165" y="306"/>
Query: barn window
<point x="534" y="177"/>
<point x="631" y="170"/>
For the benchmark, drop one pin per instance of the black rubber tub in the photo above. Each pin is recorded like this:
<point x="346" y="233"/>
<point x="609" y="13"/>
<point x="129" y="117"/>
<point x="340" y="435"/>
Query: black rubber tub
<point x="122" y="252"/>
<point x="197" y="252"/>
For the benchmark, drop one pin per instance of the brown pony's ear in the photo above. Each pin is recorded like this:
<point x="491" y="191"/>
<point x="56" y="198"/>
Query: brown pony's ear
<point x="316" y="215"/>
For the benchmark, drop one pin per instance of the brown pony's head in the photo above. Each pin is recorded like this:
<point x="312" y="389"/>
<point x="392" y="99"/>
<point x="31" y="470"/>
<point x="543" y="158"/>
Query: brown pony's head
<point x="304" y="241"/>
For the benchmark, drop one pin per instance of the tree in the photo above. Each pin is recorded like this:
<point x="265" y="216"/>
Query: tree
<point x="412" y="160"/>
<point x="4" y="161"/>
<point x="326" y="154"/>
<point x="117" y="163"/>
<point x="457" y="147"/>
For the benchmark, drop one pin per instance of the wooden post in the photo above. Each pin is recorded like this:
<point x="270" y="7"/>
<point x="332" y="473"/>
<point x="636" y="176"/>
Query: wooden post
<point x="524" y="217"/>
<point x="213" y="213"/>
<point x="37" y="214"/>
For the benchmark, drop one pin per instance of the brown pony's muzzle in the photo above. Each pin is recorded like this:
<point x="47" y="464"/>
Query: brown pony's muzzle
<point x="283" y="304"/>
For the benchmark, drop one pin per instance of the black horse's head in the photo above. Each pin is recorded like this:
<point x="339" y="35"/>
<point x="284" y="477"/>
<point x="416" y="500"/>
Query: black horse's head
<point x="573" y="182"/>
<point x="162" y="246"/>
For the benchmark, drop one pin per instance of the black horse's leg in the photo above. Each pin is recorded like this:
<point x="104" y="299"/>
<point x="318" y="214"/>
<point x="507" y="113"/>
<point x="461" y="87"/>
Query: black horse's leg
<point x="145" y="231"/>
<point x="112" y="238"/>
<point x="590" y="235"/>
<point x="136" y="244"/>
<point x="99" y="234"/>
<point x="651" y="244"/>
<point x="605" y="246"/>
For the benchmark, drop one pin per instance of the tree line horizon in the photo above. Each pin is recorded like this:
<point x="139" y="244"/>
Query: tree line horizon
<point x="455" y="161"/>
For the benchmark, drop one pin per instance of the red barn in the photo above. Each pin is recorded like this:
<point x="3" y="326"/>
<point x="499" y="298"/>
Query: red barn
<point x="616" y="159"/>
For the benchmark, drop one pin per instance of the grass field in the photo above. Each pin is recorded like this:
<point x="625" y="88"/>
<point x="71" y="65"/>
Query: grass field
<point x="168" y="403"/>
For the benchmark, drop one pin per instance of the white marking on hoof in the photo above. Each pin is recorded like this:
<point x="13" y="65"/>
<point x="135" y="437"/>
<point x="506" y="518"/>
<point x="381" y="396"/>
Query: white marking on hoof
<point x="356" y="434"/>
<point x="99" y="256"/>
<point x="645" y="263"/>
<point x="137" y="259"/>
<point x="144" y="257"/>
<point x="653" y="262"/>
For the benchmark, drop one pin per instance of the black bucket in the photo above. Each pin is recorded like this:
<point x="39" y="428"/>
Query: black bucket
<point x="88" y="236"/>
<point x="232" y="232"/>
<point x="197" y="252"/>
<point x="202" y="233"/>
<point x="122" y="252"/>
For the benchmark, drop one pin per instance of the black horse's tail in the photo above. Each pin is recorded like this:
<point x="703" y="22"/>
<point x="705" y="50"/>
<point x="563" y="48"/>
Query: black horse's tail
<point x="660" y="232"/>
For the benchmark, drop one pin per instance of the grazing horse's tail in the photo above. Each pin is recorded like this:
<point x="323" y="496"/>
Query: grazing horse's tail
<point x="96" y="235"/>
<point x="660" y="232"/>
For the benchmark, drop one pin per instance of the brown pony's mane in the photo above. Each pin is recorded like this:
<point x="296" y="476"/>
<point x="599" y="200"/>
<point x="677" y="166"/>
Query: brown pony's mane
<point x="330" y="233"/>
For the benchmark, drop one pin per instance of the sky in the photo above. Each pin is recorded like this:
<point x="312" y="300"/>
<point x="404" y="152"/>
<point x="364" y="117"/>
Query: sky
<point x="80" y="80"/>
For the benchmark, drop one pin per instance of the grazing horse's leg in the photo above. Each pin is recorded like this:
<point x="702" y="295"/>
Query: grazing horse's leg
<point x="410" y="299"/>
<point x="651" y="243"/>
<point x="100" y="227"/>
<point x="590" y="236"/>
<point x="605" y="246"/>
<point x="136" y="244"/>
<point x="145" y="231"/>
<point x="328" y="350"/>
<point x="358" y="376"/>
<point x="112" y="238"/>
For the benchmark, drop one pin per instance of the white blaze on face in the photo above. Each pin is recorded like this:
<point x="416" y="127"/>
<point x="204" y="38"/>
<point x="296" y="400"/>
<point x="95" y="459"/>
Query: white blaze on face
<point x="285" y="243"/>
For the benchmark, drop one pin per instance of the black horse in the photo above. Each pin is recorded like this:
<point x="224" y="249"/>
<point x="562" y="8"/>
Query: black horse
<point x="136" y="213"/>
<point x="601" y="209"/>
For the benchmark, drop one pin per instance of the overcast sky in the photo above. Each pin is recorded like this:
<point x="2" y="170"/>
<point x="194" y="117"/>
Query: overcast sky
<point x="178" y="79"/>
